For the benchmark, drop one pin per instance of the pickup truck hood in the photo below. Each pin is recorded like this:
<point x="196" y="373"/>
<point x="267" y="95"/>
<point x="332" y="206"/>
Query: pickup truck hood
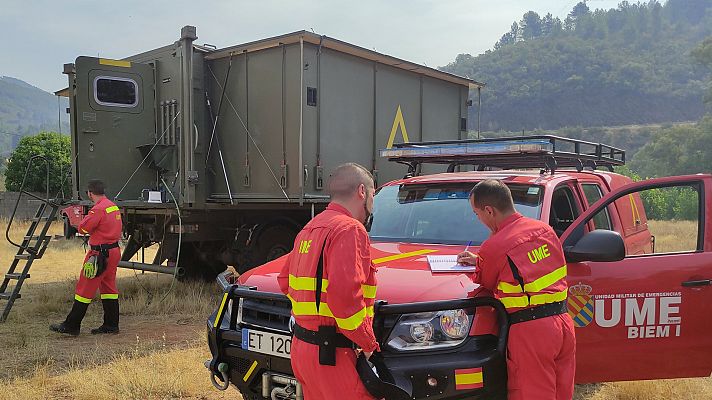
<point x="403" y="274"/>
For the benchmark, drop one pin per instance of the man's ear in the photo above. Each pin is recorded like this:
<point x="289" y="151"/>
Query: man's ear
<point x="362" y="191"/>
<point x="490" y="210"/>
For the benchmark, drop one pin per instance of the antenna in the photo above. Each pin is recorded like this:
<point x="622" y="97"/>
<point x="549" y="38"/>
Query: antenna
<point x="59" y="114"/>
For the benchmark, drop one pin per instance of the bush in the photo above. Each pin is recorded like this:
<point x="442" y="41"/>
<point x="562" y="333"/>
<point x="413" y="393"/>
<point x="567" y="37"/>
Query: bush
<point x="56" y="148"/>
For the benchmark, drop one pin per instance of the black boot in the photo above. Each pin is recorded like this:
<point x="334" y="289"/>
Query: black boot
<point x="71" y="325"/>
<point x="111" y="317"/>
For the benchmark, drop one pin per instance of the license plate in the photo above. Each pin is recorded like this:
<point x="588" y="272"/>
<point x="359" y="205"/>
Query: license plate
<point x="266" y="343"/>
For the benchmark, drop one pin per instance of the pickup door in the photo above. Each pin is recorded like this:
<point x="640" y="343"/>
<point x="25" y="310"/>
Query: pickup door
<point x="644" y="316"/>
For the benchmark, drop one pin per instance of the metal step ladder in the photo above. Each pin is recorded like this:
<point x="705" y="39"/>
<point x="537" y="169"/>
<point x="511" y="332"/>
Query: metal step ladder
<point x="32" y="247"/>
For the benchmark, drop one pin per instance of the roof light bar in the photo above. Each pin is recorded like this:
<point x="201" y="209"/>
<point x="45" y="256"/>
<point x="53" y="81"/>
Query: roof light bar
<point x="470" y="149"/>
<point x="542" y="151"/>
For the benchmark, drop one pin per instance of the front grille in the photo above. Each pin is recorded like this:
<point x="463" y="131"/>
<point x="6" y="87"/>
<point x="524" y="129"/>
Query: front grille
<point x="266" y="314"/>
<point x="238" y="364"/>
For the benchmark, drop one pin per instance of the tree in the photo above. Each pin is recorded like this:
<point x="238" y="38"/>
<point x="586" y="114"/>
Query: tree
<point x="702" y="54"/>
<point x="550" y="25"/>
<point x="56" y="148"/>
<point x="531" y="25"/>
<point x="579" y="12"/>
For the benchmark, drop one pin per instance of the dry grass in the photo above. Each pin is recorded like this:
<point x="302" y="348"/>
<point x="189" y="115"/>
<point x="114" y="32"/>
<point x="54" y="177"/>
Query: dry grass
<point x="162" y="374"/>
<point x="678" y="389"/>
<point x="674" y="235"/>
<point x="160" y="352"/>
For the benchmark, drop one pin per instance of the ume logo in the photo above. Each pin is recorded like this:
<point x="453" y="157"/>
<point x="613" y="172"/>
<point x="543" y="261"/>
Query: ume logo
<point x="538" y="254"/>
<point x="645" y="315"/>
<point x="645" y="318"/>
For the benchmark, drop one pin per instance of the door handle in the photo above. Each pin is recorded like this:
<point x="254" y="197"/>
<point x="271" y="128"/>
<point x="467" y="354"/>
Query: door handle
<point x="701" y="282"/>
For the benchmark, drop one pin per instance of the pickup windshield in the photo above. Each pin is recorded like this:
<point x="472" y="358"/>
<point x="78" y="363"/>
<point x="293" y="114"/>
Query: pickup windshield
<point x="439" y="213"/>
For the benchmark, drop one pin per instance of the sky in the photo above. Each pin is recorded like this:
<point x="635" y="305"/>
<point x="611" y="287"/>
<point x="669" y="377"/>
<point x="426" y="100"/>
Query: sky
<point x="39" y="36"/>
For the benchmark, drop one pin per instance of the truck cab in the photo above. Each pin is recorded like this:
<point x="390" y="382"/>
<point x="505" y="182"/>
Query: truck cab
<point x="634" y="301"/>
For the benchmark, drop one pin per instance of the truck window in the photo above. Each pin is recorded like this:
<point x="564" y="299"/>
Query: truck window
<point x="661" y="220"/>
<point x="115" y="91"/>
<point x="439" y="213"/>
<point x="563" y="209"/>
<point x="593" y="193"/>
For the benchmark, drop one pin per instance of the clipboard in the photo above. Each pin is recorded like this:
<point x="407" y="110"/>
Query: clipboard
<point x="448" y="264"/>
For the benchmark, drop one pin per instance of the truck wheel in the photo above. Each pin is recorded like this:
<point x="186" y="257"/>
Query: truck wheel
<point x="70" y="232"/>
<point x="200" y="262"/>
<point x="273" y="242"/>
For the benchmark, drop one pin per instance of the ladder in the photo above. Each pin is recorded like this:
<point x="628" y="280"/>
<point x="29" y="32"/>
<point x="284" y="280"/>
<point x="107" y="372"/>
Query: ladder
<point x="32" y="247"/>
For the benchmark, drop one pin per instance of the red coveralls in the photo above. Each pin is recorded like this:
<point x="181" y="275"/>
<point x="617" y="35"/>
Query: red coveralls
<point x="103" y="224"/>
<point x="347" y="298"/>
<point x="541" y="359"/>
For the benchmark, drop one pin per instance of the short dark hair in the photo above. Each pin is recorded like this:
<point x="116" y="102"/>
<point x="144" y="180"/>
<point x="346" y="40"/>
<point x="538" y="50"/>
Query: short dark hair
<point x="345" y="180"/>
<point x="493" y="193"/>
<point x="95" y="186"/>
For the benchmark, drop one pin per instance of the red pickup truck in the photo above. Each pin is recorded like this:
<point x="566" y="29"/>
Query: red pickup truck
<point x="639" y="304"/>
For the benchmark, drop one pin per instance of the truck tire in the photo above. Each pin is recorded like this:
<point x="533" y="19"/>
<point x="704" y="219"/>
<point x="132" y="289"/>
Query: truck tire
<point x="273" y="242"/>
<point x="70" y="232"/>
<point x="200" y="262"/>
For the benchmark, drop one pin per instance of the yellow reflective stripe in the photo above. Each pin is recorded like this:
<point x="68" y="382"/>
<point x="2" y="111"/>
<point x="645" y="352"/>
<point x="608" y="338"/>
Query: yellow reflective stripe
<point x="250" y="371"/>
<point x="369" y="291"/>
<point x="82" y="230"/>
<point x="468" y="379"/>
<point x="308" y="308"/>
<point x="548" y="298"/>
<point x="309" y="283"/>
<point x="505" y="287"/>
<point x="82" y="299"/>
<point x="114" y="63"/>
<point x="536" y="286"/>
<point x="402" y="255"/>
<point x="515" y="302"/>
<point x="110" y="296"/>
<point x="111" y="209"/>
<point x="220" y="311"/>
<point x="546" y="280"/>
<point x="538" y="299"/>
<point x="355" y="320"/>
<point x="306" y="283"/>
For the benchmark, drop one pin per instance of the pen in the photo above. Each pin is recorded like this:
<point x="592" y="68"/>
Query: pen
<point x="468" y="245"/>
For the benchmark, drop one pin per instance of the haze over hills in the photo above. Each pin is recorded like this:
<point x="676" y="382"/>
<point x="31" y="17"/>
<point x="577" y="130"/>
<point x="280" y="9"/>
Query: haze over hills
<point x="629" y="65"/>
<point x="26" y="110"/>
<point x="596" y="68"/>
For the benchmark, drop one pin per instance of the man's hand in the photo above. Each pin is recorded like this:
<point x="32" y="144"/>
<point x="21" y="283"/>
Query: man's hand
<point x="365" y="353"/>
<point x="467" y="258"/>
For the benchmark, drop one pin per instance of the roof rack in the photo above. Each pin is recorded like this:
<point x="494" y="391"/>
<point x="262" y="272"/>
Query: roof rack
<point x="543" y="151"/>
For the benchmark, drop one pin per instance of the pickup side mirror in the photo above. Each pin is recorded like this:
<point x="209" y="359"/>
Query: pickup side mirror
<point x="598" y="245"/>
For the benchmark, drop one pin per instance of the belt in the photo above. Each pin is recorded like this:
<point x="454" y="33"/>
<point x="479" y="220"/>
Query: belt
<point x="327" y="339"/>
<point x="108" y="246"/>
<point x="322" y="336"/>
<point x="538" y="312"/>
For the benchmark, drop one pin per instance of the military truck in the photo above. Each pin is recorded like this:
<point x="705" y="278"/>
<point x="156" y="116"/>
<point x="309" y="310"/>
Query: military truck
<point x="224" y="153"/>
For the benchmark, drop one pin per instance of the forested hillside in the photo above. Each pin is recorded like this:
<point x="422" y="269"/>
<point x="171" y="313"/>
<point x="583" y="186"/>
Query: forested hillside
<point x="629" y="65"/>
<point x="27" y="110"/>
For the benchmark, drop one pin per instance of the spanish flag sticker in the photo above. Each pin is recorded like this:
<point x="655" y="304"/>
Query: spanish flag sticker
<point x="466" y="379"/>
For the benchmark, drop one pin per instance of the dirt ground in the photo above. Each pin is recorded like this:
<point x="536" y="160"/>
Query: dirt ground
<point x="160" y="351"/>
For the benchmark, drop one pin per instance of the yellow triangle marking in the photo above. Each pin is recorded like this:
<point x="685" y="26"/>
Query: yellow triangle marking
<point x="398" y="121"/>
<point x="634" y="208"/>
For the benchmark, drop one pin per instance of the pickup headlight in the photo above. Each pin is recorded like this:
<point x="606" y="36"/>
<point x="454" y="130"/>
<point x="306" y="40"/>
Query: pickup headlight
<point x="430" y="330"/>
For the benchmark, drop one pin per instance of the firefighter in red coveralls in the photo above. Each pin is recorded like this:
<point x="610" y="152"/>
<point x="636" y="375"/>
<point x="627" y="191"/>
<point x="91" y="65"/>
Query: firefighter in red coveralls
<point x="331" y="282"/>
<point x="103" y="224"/>
<point x="523" y="264"/>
